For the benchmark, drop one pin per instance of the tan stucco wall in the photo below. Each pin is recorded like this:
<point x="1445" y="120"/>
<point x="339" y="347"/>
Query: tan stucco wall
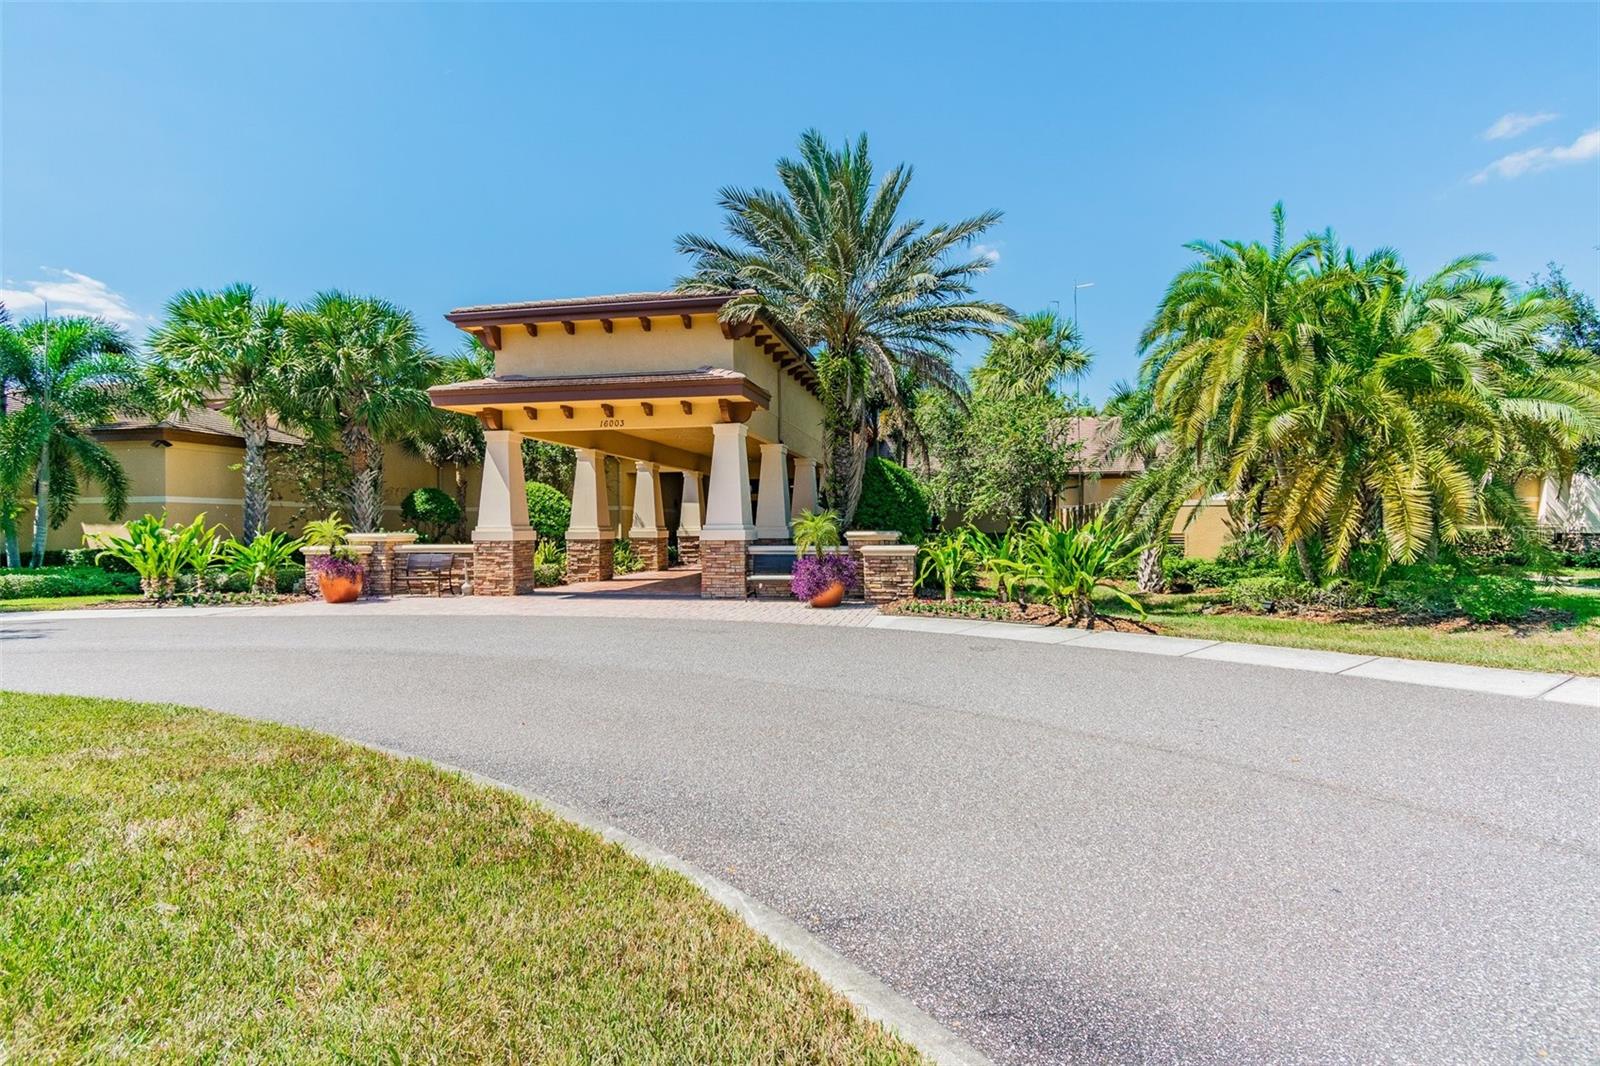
<point x="188" y="479"/>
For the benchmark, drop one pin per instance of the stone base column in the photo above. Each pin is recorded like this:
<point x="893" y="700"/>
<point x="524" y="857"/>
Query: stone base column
<point x="379" y="578"/>
<point x="855" y="540"/>
<point x="724" y="566"/>
<point x="652" y="551"/>
<point x="889" y="572"/>
<point x="590" y="559"/>
<point x="502" y="567"/>
<point x="688" y="550"/>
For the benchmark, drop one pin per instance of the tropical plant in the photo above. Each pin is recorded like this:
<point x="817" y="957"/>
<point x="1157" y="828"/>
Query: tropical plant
<point x="1065" y="565"/>
<point x="204" y="550"/>
<point x="625" y="557"/>
<point x="154" y="552"/>
<point x="999" y="559"/>
<point x="362" y="370"/>
<point x="814" y="531"/>
<point x="260" y="560"/>
<point x="433" y="509"/>
<point x="948" y="560"/>
<point x="548" y="553"/>
<point x="873" y="292"/>
<point x="72" y="374"/>
<point x="1032" y="358"/>
<point x="327" y="532"/>
<point x="228" y="349"/>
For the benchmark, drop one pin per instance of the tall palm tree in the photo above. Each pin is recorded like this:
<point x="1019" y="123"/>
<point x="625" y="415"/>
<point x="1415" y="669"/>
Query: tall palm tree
<point x="228" y="348"/>
<point x="872" y="292"/>
<point x="445" y="438"/>
<point x="361" y="370"/>
<point x="1032" y="358"/>
<point x="72" y="374"/>
<point x="10" y="505"/>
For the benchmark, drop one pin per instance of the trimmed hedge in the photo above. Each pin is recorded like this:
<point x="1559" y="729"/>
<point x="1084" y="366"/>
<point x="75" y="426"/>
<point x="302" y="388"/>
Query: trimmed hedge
<point x="431" y="507"/>
<point x="549" y="511"/>
<point x="55" y="581"/>
<point x="892" y="498"/>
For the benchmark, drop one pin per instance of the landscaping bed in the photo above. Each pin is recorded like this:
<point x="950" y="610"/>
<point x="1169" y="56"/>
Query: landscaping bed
<point x="981" y="609"/>
<point x="178" y="885"/>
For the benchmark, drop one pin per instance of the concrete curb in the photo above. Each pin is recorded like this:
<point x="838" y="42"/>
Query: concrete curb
<point x="871" y="996"/>
<point x="1524" y="684"/>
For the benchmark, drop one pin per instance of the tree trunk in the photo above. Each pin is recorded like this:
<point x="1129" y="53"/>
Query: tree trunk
<point x="41" y="507"/>
<point x="256" y="487"/>
<point x="461" y="501"/>
<point x="366" y="479"/>
<point x="13" y="549"/>
<point x="1151" y="578"/>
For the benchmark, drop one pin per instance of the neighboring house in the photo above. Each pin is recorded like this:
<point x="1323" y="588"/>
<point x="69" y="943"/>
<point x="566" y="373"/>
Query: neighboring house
<point x="1201" y="527"/>
<point x="194" y="463"/>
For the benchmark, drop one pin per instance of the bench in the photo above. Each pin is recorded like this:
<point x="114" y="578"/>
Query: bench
<point x="437" y="573"/>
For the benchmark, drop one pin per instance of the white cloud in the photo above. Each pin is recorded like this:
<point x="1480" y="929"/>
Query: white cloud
<point x="984" y="251"/>
<point x="1533" y="160"/>
<point x="1513" y="124"/>
<point x="70" y="293"/>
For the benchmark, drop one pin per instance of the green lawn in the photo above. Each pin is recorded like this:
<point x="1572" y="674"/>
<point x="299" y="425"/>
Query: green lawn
<point x="177" y="885"/>
<point x="62" y="603"/>
<point x="1573" y="649"/>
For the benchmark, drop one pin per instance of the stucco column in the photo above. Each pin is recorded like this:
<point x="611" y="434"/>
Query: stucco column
<point x="772" y="508"/>
<point x="729" y="527"/>
<point x="689" y="520"/>
<point x="590" y="536"/>
<point x="805" y="486"/>
<point x="648" y="531"/>
<point x="502" y="555"/>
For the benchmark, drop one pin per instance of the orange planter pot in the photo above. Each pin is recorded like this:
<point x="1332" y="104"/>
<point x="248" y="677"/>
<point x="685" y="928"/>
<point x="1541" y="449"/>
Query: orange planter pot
<point x="832" y="596"/>
<point x="339" y="589"/>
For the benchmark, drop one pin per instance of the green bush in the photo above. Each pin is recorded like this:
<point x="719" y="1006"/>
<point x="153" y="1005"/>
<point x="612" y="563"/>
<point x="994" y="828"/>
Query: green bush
<point x="1188" y="573"/>
<point x="56" y="581"/>
<point x="547" y="574"/>
<point x="1267" y="593"/>
<point x="624" y="560"/>
<point x="1494" y="597"/>
<point x="891" y="498"/>
<point x="549" y="511"/>
<point x="433" y="509"/>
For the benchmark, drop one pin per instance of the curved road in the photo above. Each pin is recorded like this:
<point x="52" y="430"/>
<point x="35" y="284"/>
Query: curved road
<point x="1063" y="854"/>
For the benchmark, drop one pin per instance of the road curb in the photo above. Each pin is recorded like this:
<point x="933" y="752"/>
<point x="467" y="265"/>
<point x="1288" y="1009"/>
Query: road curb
<point x="869" y="994"/>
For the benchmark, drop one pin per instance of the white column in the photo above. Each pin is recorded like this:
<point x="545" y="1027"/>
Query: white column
<point x="772" y="508"/>
<point x="689" y="518"/>
<point x="649" y="516"/>
<point x="503" y="498"/>
<point x="805" y="486"/>
<point x="728" y="500"/>
<point x="591" y="501"/>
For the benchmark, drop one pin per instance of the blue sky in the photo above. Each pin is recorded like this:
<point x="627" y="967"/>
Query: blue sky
<point x="442" y="155"/>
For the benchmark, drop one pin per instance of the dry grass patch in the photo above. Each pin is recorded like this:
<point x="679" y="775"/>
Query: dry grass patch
<point x="181" y="885"/>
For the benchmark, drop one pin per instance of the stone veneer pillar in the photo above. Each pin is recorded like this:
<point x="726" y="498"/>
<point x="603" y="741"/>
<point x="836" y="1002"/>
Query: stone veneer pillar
<point x="647" y="531"/>
<point x="379" y="578"/>
<point x="804" y="497"/>
<point x="889" y="572"/>
<point x="725" y="538"/>
<point x="857" y="539"/>
<point x="590" y="537"/>
<point x="772" y="508"/>
<point x="502" y="543"/>
<point x="689" y="520"/>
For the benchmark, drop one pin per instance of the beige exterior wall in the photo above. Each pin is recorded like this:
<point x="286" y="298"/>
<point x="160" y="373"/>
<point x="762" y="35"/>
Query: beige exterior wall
<point x="189" y="478"/>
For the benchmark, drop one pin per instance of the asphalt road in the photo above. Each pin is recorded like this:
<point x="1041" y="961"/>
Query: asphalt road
<point x="1065" y="855"/>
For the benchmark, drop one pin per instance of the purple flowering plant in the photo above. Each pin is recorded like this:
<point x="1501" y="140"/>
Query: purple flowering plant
<point x="813" y="574"/>
<point x="335" y="564"/>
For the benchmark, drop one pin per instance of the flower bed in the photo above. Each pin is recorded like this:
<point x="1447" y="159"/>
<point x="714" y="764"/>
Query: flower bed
<point x="982" y="610"/>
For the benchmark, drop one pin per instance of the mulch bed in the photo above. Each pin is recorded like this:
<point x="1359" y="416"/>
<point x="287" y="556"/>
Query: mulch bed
<point x="124" y="605"/>
<point x="1035" y="614"/>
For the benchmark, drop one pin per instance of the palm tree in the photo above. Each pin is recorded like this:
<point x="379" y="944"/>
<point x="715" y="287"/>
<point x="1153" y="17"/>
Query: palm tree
<point x="445" y="438"/>
<point x="1147" y="507"/>
<point x="1032" y="358"/>
<point x="72" y="374"/>
<point x="872" y="292"/>
<point x="361" y="370"/>
<point x="10" y="505"/>
<point x="228" y="348"/>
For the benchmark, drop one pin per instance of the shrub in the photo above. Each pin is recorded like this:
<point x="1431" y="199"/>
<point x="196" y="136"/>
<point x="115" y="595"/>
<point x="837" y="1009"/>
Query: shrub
<point x="433" y="509"/>
<point x="547" y="574"/>
<point x="891" y="498"/>
<point x="948" y="561"/>
<point x="999" y="559"/>
<point x="1266" y="593"/>
<point x="549" y="511"/>
<point x="261" y="560"/>
<point x="158" y="554"/>
<point x="1494" y="597"/>
<point x="624" y="560"/>
<point x="65" y="581"/>
<point x="812" y="574"/>
<point x="1065" y="565"/>
<point x="1188" y="573"/>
